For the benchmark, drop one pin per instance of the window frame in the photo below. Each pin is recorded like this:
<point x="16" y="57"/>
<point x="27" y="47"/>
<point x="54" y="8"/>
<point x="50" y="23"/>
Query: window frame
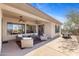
<point x="57" y="28"/>
<point x="30" y="31"/>
<point x="17" y="25"/>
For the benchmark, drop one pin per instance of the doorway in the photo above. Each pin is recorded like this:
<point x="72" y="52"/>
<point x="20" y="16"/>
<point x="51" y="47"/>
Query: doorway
<point x="40" y="30"/>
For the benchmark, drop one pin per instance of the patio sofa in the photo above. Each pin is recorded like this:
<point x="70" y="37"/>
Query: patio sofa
<point x="25" y="40"/>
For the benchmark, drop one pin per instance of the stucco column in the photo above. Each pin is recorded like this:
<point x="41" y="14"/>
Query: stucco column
<point x="37" y="29"/>
<point x="25" y="28"/>
<point x="0" y="30"/>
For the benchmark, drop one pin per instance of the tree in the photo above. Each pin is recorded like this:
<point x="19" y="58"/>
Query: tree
<point x="72" y="22"/>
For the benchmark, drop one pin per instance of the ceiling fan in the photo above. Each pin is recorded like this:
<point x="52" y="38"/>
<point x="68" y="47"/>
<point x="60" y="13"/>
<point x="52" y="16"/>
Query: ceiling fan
<point x="21" y="19"/>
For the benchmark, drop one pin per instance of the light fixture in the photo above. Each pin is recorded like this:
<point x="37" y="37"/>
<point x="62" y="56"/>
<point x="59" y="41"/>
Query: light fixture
<point x="21" y="19"/>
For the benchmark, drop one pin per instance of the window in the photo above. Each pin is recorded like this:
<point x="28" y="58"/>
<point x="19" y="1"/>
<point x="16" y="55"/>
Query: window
<point x="57" y="29"/>
<point x="13" y="28"/>
<point x="31" y="28"/>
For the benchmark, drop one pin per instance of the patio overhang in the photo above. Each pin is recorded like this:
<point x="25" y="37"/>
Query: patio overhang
<point x="19" y="12"/>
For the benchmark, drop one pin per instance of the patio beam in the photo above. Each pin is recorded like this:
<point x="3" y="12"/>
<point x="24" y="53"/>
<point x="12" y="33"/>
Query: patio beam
<point x="23" y="13"/>
<point x="0" y="30"/>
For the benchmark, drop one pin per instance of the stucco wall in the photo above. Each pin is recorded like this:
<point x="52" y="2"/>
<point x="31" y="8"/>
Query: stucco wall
<point x="49" y="29"/>
<point x="53" y="34"/>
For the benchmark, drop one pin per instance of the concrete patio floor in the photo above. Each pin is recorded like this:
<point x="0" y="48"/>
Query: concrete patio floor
<point x="12" y="49"/>
<point x="53" y="49"/>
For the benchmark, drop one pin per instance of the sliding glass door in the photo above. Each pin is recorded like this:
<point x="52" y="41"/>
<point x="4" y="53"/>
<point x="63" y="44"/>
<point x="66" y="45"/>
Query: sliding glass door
<point x="13" y="28"/>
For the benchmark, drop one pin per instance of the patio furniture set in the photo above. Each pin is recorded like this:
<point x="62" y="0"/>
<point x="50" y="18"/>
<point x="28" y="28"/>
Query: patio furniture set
<point x="28" y="40"/>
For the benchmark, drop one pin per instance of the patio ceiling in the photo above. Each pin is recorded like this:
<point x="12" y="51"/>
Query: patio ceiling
<point x="8" y="10"/>
<point x="17" y="16"/>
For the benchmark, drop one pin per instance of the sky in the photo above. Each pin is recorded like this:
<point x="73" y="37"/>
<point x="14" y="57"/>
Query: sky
<point x="56" y="10"/>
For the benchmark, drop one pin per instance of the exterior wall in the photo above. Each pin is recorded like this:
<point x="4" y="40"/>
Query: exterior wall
<point x="53" y="34"/>
<point x="52" y="30"/>
<point x="13" y="20"/>
<point x="49" y="30"/>
<point x="0" y="30"/>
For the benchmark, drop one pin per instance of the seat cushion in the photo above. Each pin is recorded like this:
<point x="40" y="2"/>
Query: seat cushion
<point x="26" y="38"/>
<point x="19" y="35"/>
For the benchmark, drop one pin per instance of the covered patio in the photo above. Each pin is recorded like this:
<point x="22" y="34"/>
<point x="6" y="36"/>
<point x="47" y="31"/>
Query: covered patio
<point x="11" y="22"/>
<point x="20" y="22"/>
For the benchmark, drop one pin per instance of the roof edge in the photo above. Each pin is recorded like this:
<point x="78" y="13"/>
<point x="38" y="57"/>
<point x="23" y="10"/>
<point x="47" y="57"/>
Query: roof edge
<point x="45" y="14"/>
